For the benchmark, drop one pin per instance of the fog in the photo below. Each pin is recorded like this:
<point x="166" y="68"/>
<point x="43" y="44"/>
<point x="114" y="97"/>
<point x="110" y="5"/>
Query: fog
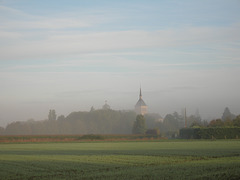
<point x="32" y="97"/>
<point x="75" y="55"/>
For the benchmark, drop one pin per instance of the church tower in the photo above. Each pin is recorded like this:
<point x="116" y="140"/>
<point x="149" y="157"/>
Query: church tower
<point x="141" y="107"/>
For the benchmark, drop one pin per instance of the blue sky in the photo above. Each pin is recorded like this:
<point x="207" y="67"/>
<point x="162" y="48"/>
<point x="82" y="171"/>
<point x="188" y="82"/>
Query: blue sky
<point x="71" y="55"/>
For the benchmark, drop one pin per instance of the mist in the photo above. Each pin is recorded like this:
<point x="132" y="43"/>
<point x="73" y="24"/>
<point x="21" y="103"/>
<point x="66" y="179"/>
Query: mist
<point x="28" y="95"/>
<point x="80" y="54"/>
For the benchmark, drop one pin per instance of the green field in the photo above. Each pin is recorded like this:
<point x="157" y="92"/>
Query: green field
<point x="165" y="159"/>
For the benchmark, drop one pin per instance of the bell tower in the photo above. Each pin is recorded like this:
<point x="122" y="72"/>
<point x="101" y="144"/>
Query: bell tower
<point x="141" y="107"/>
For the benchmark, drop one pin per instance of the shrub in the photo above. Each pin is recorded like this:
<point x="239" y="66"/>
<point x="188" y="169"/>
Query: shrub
<point x="91" y="137"/>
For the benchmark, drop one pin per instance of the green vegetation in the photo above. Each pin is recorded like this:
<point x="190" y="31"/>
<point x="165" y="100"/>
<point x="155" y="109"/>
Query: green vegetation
<point x="77" y="138"/>
<point x="93" y="122"/>
<point x="165" y="159"/>
<point x="108" y="121"/>
<point x="210" y="133"/>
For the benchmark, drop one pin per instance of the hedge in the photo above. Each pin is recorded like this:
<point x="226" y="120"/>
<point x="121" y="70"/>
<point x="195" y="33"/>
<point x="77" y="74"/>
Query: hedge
<point x="210" y="133"/>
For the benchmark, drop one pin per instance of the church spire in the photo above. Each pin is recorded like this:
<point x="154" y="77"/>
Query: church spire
<point x="140" y="95"/>
<point x="140" y="107"/>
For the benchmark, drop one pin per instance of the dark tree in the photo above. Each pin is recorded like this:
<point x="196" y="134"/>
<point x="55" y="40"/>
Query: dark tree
<point x="92" y="109"/>
<point x="180" y="119"/>
<point x="236" y="121"/>
<point x="139" y="126"/>
<point x="52" y="115"/>
<point x="227" y="115"/>
<point x="61" y="118"/>
<point x="171" y="123"/>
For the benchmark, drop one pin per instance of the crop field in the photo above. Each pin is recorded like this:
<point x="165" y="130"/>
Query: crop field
<point x="162" y="159"/>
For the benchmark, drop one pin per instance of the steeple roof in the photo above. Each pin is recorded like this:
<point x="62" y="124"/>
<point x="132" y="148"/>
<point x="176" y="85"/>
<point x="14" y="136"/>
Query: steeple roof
<point x="140" y="101"/>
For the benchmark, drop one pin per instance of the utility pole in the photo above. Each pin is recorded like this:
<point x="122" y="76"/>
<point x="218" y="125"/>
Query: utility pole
<point x="185" y="117"/>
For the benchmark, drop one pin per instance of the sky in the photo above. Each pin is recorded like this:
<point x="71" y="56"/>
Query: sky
<point x="70" y="55"/>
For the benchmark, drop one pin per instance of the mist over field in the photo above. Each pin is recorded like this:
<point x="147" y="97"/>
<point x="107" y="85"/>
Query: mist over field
<point x="72" y="55"/>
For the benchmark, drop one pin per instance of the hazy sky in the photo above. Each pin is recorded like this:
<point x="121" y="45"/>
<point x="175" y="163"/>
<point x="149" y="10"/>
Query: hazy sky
<point x="71" y="55"/>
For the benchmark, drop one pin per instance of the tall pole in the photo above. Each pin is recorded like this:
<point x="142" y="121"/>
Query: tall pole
<point x="185" y="117"/>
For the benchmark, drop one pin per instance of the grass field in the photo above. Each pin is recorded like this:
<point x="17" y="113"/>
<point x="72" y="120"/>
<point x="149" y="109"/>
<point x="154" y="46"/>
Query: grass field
<point x="164" y="159"/>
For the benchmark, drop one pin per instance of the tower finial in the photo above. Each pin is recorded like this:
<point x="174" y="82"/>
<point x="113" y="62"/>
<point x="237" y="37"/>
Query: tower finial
<point x="140" y="95"/>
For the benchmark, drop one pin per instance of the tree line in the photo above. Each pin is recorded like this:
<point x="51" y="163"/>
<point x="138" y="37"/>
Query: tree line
<point x="108" y="121"/>
<point x="172" y="123"/>
<point x="95" y="121"/>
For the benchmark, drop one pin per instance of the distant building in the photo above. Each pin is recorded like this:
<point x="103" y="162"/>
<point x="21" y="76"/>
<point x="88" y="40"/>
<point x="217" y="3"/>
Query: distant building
<point x="106" y="106"/>
<point x="141" y="107"/>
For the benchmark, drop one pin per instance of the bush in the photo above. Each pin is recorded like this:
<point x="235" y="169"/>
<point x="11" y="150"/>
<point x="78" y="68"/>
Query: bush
<point x="189" y="133"/>
<point x="91" y="137"/>
<point x="209" y="133"/>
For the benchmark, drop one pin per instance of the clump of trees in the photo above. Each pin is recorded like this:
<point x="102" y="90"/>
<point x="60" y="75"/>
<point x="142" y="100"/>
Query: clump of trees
<point x="226" y="127"/>
<point x="52" y="115"/>
<point x="228" y="120"/>
<point x="108" y="121"/>
<point x="82" y="122"/>
<point x="227" y="123"/>
<point x="140" y="127"/>
<point x="171" y="124"/>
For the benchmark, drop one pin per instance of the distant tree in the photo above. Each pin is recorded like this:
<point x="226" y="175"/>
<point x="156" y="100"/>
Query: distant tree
<point x="197" y="114"/>
<point x="179" y="118"/>
<point x="52" y="115"/>
<point x="139" y="126"/>
<point x="92" y="109"/>
<point x="96" y="122"/>
<point x="236" y="121"/>
<point x="152" y="120"/>
<point x="194" y="120"/>
<point x="227" y="115"/>
<point x="52" y="127"/>
<point x="1" y="130"/>
<point x="171" y="122"/>
<point x="18" y="128"/>
<point x="61" y="118"/>
<point x="205" y="123"/>
<point x="38" y="127"/>
<point x="216" y="123"/>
